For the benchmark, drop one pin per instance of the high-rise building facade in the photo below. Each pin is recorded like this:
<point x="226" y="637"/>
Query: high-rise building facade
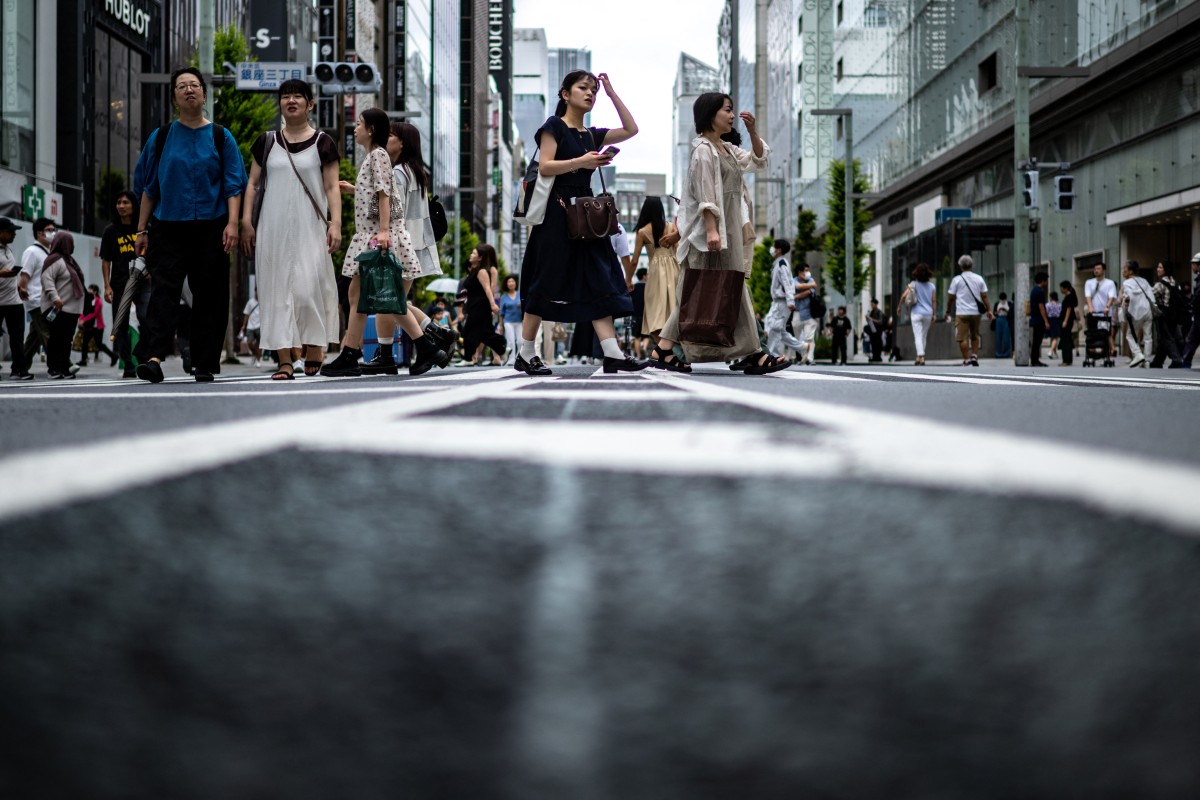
<point x="692" y="78"/>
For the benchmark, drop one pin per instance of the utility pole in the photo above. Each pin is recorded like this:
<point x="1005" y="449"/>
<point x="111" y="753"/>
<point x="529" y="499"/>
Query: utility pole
<point x="1021" y="241"/>
<point x="208" y="24"/>
<point x="847" y="115"/>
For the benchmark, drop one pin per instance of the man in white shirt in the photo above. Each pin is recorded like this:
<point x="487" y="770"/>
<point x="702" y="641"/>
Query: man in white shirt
<point x="967" y="301"/>
<point x="1100" y="295"/>
<point x="29" y="286"/>
<point x="1137" y="298"/>
<point x="12" y="312"/>
<point x="782" y="304"/>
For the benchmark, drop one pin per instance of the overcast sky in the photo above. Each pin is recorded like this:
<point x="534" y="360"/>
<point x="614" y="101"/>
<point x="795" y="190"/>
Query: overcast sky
<point x="637" y="42"/>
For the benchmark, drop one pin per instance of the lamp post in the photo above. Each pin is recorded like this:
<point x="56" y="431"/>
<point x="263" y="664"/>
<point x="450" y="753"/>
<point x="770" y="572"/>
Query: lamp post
<point x="848" y="202"/>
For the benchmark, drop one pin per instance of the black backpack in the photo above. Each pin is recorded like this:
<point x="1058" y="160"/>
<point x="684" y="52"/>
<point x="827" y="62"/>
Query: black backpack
<point x="816" y="305"/>
<point x="437" y="218"/>
<point x="1177" y="311"/>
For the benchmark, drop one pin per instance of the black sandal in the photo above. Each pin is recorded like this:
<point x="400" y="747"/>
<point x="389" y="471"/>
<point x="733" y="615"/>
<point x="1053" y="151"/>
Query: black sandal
<point x="767" y="365"/>
<point x="284" y="375"/>
<point x="311" y="368"/>
<point x="741" y="364"/>
<point x="658" y="360"/>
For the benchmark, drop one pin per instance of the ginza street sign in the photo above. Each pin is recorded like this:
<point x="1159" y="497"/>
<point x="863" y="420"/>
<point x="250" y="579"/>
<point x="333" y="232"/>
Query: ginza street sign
<point x="265" y="76"/>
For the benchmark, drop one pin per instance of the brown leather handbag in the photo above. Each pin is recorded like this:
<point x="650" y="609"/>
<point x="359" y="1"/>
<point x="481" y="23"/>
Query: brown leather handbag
<point x="591" y="218"/>
<point x="710" y="303"/>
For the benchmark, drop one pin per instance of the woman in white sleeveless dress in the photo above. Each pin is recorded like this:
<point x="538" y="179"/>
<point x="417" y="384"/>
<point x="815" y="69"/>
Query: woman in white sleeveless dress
<point x="296" y="170"/>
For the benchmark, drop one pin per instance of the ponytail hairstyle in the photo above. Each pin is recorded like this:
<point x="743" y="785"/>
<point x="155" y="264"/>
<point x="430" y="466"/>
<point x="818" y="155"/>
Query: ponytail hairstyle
<point x="568" y="83"/>
<point x="410" y="152"/>
<point x="376" y="120"/>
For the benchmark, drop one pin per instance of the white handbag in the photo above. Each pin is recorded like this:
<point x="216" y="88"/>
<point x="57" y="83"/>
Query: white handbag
<point x="534" y="196"/>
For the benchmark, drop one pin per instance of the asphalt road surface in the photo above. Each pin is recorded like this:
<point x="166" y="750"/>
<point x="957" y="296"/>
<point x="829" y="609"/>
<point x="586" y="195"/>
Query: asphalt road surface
<point x="871" y="581"/>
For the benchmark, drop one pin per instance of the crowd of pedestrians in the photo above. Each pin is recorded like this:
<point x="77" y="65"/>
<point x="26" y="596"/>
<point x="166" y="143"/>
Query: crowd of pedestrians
<point x="192" y="204"/>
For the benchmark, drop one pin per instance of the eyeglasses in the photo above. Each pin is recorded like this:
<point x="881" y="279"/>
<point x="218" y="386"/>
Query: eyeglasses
<point x="182" y="86"/>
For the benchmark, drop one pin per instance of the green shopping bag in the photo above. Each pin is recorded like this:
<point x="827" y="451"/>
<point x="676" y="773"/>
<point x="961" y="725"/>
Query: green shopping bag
<point x="381" y="287"/>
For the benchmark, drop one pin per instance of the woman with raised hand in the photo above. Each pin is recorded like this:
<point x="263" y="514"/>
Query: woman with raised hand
<point x="297" y="227"/>
<point x="376" y="226"/>
<point x="711" y="227"/>
<point x="566" y="280"/>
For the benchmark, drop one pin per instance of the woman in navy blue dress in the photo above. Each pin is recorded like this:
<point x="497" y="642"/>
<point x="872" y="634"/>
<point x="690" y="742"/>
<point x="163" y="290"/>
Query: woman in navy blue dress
<point x="574" y="281"/>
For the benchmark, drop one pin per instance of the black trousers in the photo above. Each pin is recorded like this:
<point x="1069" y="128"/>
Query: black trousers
<point x="1035" y="347"/>
<point x="39" y="334"/>
<point x="1066" y="345"/>
<point x="1193" y="340"/>
<point x="93" y="334"/>
<point x="876" y="345"/>
<point x="839" y="346"/>
<point x="13" y="318"/>
<point x="1170" y="342"/>
<point x="190" y="250"/>
<point x="62" y="334"/>
<point x="479" y="329"/>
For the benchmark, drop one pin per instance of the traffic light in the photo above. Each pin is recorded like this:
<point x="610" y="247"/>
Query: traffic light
<point x="346" y="77"/>
<point x="1029" y="189"/>
<point x="1064" y="193"/>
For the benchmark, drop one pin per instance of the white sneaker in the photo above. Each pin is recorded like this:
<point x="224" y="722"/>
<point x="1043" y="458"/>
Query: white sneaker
<point x="1137" y="362"/>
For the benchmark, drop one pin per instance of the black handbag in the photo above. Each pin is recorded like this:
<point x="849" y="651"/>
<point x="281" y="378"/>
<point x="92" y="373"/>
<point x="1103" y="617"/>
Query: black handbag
<point x="437" y="218"/>
<point x="591" y="218"/>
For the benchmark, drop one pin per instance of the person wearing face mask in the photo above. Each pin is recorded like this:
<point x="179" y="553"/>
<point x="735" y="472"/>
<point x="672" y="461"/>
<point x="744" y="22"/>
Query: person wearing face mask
<point x="62" y="303"/>
<point x="783" y="303"/>
<point x="29" y="285"/>
<point x="192" y="182"/>
<point x="803" y="322"/>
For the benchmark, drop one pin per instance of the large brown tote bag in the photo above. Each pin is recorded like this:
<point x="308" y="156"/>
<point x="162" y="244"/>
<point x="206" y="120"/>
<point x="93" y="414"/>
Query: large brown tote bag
<point x="710" y="303"/>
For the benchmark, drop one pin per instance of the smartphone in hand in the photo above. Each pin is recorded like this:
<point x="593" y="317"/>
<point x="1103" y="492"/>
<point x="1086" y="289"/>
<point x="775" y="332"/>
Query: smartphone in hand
<point x="610" y="151"/>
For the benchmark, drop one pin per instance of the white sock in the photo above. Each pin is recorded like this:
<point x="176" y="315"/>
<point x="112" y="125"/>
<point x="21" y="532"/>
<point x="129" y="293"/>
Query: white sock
<point x="527" y="349"/>
<point x="611" y="348"/>
<point x="426" y="323"/>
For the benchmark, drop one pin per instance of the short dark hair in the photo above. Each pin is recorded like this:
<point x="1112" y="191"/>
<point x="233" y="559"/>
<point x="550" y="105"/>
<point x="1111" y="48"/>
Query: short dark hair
<point x="295" y="86"/>
<point x="706" y="107"/>
<point x="783" y="246"/>
<point x="1041" y="277"/>
<point x="189" y="71"/>
<point x="376" y="120"/>
<point x="1054" y="295"/>
<point x="874" y="301"/>
<point x="41" y="223"/>
<point x="1004" y="295"/>
<point x="841" y="308"/>
<point x="1067" y="287"/>
<point x="1132" y="265"/>
<point x="922" y="272"/>
<point x="641" y="273"/>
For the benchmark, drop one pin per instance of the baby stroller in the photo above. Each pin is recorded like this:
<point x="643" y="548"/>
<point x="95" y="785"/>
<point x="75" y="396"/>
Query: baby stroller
<point x="1096" y="340"/>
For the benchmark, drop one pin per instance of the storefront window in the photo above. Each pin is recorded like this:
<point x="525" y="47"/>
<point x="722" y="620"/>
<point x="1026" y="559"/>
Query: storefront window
<point x="118" y="116"/>
<point x="17" y="85"/>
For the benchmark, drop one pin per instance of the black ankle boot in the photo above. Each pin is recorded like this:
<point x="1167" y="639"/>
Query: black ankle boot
<point x="382" y="363"/>
<point x="429" y="355"/>
<point x="345" y="365"/>
<point x="444" y="337"/>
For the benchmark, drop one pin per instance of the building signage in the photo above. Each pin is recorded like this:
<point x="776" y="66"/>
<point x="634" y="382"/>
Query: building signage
<point x="399" y="53"/>
<point x="268" y="30"/>
<point x="37" y="202"/>
<point x="499" y="56"/>
<point x="350" y="26"/>
<point x="260" y="76"/>
<point x="133" y="14"/>
<point x="816" y="86"/>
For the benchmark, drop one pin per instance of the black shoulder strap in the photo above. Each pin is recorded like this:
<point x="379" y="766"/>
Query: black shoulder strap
<point x="161" y="142"/>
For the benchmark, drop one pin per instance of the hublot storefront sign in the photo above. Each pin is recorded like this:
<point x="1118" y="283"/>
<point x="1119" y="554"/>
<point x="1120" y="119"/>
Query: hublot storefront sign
<point x="133" y="14"/>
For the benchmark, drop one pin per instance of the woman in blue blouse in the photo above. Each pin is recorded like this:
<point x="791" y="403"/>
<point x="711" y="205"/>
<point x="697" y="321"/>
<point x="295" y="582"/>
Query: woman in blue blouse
<point x="195" y="194"/>
<point x="510" y="313"/>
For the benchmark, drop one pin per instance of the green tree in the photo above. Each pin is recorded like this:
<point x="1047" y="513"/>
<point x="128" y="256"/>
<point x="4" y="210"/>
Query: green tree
<point x="835" y="228"/>
<point x="244" y="114"/>
<point x="806" y="240"/>
<point x="467" y="241"/>
<point x="346" y="172"/>
<point x="760" y="277"/>
<point x="111" y="182"/>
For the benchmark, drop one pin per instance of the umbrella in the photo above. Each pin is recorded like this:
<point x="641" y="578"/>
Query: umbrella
<point x="137" y="274"/>
<point x="443" y="286"/>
